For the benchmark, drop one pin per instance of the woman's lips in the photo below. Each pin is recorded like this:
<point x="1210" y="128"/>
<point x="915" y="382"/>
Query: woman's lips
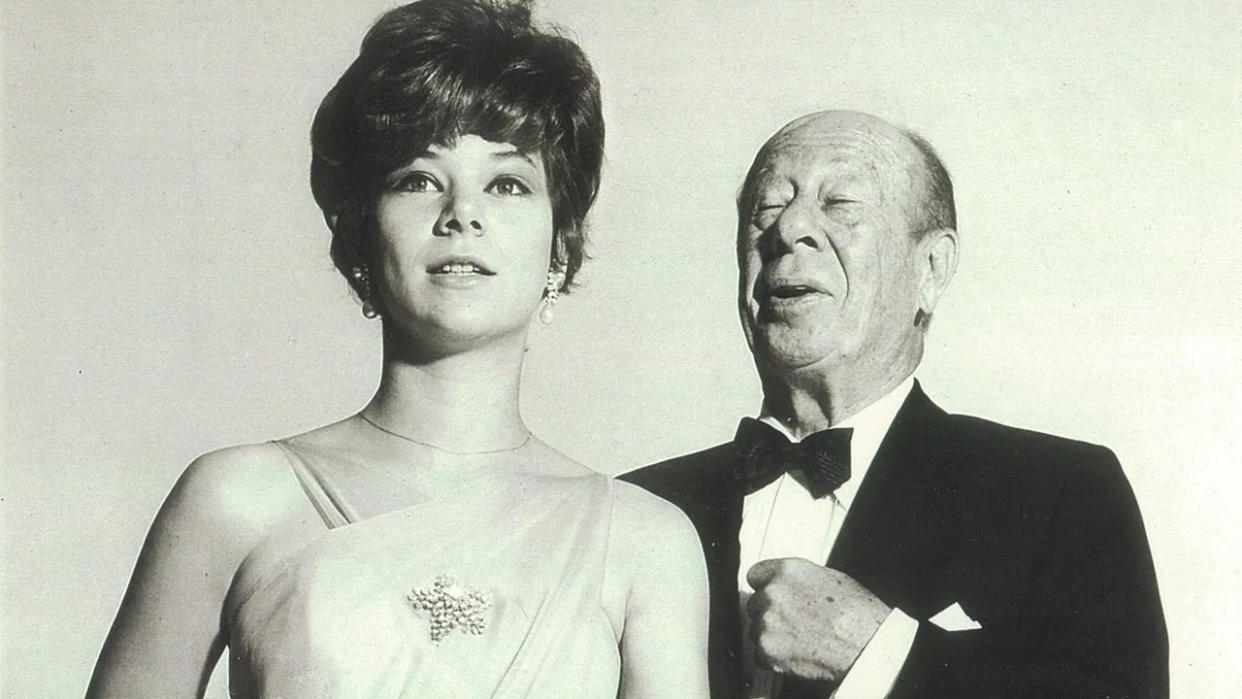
<point x="458" y="268"/>
<point x="459" y="265"/>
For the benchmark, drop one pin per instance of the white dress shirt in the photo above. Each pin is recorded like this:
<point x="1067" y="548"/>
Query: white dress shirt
<point x="782" y="520"/>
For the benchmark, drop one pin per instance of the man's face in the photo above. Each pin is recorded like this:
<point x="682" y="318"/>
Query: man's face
<point x="828" y="266"/>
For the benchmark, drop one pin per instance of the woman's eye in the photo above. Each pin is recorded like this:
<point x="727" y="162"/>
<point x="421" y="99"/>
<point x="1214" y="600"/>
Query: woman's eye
<point x="508" y="187"/>
<point x="417" y="182"/>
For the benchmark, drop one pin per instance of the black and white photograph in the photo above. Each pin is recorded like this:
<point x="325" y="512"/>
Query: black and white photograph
<point x="562" y="348"/>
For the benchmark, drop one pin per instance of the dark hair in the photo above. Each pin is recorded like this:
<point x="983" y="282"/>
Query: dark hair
<point x="435" y="70"/>
<point x="933" y="207"/>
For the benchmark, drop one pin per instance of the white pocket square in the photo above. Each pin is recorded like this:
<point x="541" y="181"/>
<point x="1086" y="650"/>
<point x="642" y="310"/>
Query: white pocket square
<point x="954" y="618"/>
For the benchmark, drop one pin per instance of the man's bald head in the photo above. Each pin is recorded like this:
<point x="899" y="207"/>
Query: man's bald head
<point x="914" y="163"/>
<point x="846" y="241"/>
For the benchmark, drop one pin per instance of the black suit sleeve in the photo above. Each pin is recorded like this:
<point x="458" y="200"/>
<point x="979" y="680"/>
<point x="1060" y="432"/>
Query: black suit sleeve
<point x="1087" y="621"/>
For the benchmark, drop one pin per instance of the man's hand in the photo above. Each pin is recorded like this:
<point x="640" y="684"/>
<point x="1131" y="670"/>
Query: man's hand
<point x="807" y="620"/>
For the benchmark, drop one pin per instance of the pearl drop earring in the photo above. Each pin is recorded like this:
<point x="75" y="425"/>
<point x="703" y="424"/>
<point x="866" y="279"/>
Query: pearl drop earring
<point x="362" y="283"/>
<point x="551" y="291"/>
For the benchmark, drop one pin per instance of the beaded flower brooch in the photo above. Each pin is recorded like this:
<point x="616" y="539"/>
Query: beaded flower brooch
<point x="449" y="605"/>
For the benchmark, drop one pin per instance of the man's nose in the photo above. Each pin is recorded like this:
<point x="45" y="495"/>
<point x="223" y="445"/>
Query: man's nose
<point x="797" y="226"/>
<point x="461" y="214"/>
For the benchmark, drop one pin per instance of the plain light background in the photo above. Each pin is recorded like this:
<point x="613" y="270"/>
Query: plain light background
<point x="167" y="288"/>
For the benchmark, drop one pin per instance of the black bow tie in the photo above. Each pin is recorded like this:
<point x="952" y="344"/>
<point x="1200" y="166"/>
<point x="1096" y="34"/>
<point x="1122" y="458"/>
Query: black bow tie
<point x="764" y="454"/>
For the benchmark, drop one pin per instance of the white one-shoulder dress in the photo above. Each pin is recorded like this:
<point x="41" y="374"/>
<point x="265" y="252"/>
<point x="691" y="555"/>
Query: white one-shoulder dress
<point x="494" y="593"/>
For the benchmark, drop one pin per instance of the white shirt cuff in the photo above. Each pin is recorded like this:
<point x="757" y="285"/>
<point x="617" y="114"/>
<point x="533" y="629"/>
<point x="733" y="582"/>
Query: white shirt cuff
<point x="875" y="671"/>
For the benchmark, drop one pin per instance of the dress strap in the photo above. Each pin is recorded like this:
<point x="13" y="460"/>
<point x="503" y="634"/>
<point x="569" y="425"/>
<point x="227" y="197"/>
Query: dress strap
<point x="323" y="496"/>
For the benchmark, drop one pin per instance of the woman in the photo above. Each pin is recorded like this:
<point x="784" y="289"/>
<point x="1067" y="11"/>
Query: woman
<point x="429" y="545"/>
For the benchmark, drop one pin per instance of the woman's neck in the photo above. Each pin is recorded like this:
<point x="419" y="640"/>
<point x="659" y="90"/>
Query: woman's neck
<point x="465" y="402"/>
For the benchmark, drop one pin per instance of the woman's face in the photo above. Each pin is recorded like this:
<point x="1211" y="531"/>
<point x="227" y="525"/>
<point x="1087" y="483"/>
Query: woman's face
<point x="463" y="239"/>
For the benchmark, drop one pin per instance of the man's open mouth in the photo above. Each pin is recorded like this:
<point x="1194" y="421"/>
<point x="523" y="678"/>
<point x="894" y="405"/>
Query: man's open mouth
<point x="790" y="291"/>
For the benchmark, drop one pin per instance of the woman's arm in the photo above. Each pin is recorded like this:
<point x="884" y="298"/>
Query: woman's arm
<point x="168" y="632"/>
<point x="664" y="642"/>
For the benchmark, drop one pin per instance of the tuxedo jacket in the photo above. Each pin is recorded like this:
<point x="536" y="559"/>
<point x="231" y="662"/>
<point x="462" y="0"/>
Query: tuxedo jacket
<point x="1037" y="538"/>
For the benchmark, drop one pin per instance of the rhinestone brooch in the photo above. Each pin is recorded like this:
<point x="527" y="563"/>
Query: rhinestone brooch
<point x="449" y="605"/>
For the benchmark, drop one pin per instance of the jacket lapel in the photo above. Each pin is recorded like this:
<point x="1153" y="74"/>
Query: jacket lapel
<point x="716" y="510"/>
<point x="893" y="540"/>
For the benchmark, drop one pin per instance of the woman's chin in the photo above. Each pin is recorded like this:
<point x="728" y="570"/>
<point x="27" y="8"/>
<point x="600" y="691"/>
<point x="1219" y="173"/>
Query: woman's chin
<point x="460" y="330"/>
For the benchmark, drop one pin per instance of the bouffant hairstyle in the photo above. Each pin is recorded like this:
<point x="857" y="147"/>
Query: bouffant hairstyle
<point x="435" y="70"/>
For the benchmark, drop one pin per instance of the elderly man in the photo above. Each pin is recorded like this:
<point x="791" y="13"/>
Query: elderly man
<point x="860" y="540"/>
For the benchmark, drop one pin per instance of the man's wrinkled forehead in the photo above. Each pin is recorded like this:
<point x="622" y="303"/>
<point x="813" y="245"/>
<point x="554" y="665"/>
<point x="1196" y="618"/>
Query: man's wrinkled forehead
<point x="811" y="167"/>
<point x="830" y="147"/>
<point x="833" y="147"/>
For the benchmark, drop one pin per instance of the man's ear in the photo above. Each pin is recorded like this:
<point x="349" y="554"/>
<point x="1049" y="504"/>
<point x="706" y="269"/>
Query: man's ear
<point x="938" y="252"/>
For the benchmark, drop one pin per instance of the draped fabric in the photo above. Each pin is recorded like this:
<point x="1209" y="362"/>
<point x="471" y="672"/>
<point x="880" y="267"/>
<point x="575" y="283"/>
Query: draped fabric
<point x="333" y="619"/>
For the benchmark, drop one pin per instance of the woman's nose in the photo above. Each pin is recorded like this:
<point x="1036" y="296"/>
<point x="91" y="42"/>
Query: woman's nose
<point x="462" y="215"/>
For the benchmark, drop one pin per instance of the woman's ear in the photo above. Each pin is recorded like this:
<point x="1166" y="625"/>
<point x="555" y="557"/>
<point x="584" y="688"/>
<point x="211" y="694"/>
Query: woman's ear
<point x="938" y="252"/>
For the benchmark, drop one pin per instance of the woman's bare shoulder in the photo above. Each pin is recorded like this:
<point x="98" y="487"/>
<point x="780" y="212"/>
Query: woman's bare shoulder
<point x="239" y="491"/>
<point x="635" y="511"/>
<point x="642" y="514"/>
<point x="652" y="547"/>
<point x="255" y="483"/>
